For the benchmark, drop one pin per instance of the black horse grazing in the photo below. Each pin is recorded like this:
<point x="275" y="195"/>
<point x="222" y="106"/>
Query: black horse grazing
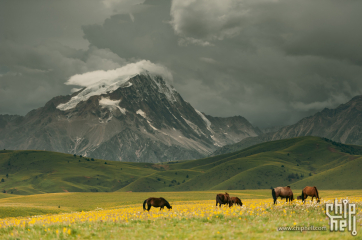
<point x="237" y="201"/>
<point x="156" y="202"/>
<point x="282" y="192"/>
<point x="310" y="191"/>
<point x="223" y="199"/>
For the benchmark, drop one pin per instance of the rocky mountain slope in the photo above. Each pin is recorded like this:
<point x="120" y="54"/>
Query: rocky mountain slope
<point x="141" y="118"/>
<point x="343" y="124"/>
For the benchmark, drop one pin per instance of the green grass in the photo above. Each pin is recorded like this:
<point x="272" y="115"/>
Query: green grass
<point x="316" y="161"/>
<point x="231" y="228"/>
<point x="6" y="212"/>
<point x="89" y="201"/>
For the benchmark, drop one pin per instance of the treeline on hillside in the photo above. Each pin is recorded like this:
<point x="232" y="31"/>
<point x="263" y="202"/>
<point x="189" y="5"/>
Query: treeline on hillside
<point x="351" y="149"/>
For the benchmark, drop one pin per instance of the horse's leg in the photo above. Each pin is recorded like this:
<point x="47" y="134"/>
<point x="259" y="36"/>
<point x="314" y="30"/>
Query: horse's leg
<point x="312" y="198"/>
<point x="148" y="207"/>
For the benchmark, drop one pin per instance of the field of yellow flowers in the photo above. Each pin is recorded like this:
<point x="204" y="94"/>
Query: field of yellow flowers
<point x="257" y="218"/>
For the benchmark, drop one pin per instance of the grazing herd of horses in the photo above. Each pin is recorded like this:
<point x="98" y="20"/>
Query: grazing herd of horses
<point x="221" y="199"/>
<point x="287" y="193"/>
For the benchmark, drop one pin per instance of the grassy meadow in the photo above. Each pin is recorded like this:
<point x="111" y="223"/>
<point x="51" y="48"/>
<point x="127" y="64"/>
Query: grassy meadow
<point x="120" y="215"/>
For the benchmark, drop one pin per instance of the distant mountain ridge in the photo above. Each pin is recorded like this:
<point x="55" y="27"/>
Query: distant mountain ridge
<point x="142" y="119"/>
<point x="342" y="124"/>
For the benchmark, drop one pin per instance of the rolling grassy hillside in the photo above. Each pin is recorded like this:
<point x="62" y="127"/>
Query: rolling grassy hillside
<point x="296" y="162"/>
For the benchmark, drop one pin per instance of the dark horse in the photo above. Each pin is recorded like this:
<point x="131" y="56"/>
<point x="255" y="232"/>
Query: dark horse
<point x="156" y="202"/>
<point x="310" y="191"/>
<point x="237" y="201"/>
<point x="223" y="199"/>
<point x="282" y="192"/>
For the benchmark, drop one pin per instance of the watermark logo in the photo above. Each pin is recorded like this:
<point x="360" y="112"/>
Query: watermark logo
<point x="344" y="215"/>
<point x="302" y="228"/>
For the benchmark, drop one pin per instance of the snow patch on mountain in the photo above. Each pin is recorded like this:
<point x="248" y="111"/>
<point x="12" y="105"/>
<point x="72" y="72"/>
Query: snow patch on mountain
<point x="111" y="104"/>
<point x="216" y="141"/>
<point x="166" y="89"/>
<point x="207" y="122"/>
<point x="149" y="123"/>
<point x="193" y="126"/>
<point x="102" y="82"/>
<point x="142" y="113"/>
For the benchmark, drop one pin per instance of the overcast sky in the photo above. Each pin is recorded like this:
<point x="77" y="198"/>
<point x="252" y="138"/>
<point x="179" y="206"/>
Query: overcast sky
<point x="270" y="61"/>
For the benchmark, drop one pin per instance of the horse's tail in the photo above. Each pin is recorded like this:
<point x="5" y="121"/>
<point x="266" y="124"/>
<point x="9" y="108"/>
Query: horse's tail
<point x="218" y="200"/>
<point x="316" y="191"/>
<point x="273" y="194"/>
<point x="144" y="204"/>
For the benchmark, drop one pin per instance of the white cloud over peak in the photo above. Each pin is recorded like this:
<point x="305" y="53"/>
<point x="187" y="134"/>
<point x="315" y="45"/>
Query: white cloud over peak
<point x="117" y="75"/>
<point x="100" y="82"/>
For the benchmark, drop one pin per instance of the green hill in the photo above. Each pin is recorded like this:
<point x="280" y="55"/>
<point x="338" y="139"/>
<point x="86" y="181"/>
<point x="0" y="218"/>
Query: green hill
<point x="296" y="162"/>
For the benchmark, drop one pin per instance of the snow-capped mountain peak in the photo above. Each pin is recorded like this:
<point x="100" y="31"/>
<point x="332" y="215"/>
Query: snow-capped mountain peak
<point x="102" y="82"/>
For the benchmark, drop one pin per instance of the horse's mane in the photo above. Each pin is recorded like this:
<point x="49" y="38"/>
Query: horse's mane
<point x="163" y="199"/>
<point x="167" y="203"/>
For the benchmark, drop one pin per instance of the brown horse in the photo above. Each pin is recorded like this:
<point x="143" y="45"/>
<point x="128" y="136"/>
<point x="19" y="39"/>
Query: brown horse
<point x="156" y="202"/>
<point x="310" y="191"/>
<point x="223" y="199"/>
<point x="282" y="192"/>
<point x="237" y="201"/>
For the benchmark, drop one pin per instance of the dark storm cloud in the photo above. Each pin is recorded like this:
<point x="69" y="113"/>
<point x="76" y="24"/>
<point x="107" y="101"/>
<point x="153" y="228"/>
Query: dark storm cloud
<point x="327" y="28"/>
<point x="42" y="45"/>
<point x="270" y="61"/>
<point x="246" y="57"/>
